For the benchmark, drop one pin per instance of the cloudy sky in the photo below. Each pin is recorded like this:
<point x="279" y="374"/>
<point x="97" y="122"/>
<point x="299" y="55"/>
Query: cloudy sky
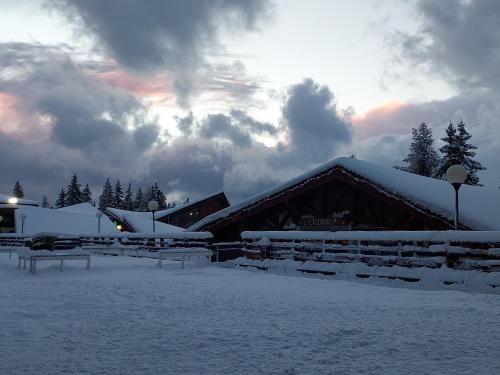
<point x="236" y="95"/>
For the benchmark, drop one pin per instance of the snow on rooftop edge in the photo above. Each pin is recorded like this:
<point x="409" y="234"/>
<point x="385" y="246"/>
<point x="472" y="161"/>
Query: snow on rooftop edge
<point x="479" y="206"/>
<point x="143" y="221"/>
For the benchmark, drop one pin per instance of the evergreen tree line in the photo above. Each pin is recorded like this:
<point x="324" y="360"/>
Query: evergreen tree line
<point x="111" y="196"/>
<point x="132" y="200"/>
<point x="424" y="160"/>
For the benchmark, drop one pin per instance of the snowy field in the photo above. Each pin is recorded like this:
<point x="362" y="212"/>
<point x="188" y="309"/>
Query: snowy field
<point x="126" y="316"/>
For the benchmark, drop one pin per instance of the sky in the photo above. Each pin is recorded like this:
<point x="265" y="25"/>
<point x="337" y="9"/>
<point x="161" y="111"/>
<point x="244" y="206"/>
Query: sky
<point x="235" y="95"/>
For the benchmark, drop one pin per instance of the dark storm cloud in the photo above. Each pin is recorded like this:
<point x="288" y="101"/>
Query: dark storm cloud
<point x="193" y="167"/>
<point x="158" y="34"/>
<point x="253" y="125"/>
<point x="459" y="39"/>
<point x="315" y="127"/>
<point x="219" y="125"/>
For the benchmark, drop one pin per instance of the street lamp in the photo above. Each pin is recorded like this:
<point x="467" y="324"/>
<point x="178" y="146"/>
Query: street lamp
<point x="456" y="176"/>
<point x="153" y="206"/>
<point x="98" y="215"/>
<point x="12" y="200"/>
<point x="23" y="217"/>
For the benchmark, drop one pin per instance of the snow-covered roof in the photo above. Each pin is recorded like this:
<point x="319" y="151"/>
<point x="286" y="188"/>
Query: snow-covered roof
<point x="4" y="199"/>
<point x="80" y="208"/>
<point x="169" y="211"/>
<point x="479" y="206"/>
<point x="142" y="221"/>
<point x="68" y="220"/>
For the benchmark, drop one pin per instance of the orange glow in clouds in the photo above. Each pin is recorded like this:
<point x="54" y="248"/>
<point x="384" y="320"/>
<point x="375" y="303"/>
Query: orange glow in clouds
<point x="154" y="89"/>
<point x="377" y="120"/>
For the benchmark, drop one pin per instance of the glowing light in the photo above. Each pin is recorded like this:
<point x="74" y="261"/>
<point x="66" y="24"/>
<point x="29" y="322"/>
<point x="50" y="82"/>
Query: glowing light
<point x="119" y="227"/>
<point x="13" y="200"/>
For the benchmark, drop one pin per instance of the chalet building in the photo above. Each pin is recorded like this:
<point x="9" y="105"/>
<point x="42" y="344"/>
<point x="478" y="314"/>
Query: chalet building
<point x="8" y="206"/>
<point x="189" y="213"/>
<point x="350" y="194"/>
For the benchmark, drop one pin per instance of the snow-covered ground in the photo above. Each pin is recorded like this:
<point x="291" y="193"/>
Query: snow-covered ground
<point x="126" y="316"/>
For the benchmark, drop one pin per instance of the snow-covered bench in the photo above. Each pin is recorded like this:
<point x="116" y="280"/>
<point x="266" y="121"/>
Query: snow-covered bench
<point x="42" y="255"/>
<point x="183" y="253"/>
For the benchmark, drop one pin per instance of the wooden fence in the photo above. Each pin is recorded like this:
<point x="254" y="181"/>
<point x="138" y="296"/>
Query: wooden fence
<point x="461" y="250"/>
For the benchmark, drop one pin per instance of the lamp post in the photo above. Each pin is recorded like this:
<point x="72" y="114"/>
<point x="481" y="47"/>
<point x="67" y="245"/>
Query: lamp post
<point x="153" y="206"/>
<point x="98" y="215"/>
<point x="456" y="176"/>
<point x="23" y="217"/>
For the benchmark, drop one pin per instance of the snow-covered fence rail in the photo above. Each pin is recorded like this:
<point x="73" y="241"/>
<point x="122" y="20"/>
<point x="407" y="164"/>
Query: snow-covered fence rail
<point x="462" y="250"/>
<point x="136" y="241"/>
<point x="12" y="240"/>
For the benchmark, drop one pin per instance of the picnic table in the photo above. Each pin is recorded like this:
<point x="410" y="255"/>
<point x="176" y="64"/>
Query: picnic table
<point x="40" y="255"/>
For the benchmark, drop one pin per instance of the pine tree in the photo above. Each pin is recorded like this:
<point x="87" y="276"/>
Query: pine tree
<point x="128" y="201"/>
<point x="457" y="151"/>
<point x="45" y="201"/>
<point x="467" y="153"/>
<point x="61" y="200"/>
<point x="106" y="198"/>
<point x="87" y="194"/>
<point x="138" y="200"/>
<point x="422" y="158"/>
<point x="159" y="196"/>
<point x="74" y="192"/>
<point x="118" y="195"/>
<point x="18" y="190"/>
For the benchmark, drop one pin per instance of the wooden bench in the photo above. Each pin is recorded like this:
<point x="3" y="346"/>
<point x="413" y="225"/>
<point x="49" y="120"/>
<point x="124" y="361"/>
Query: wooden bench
<point x="183" y="253"/>
<point x="61" y="257"/>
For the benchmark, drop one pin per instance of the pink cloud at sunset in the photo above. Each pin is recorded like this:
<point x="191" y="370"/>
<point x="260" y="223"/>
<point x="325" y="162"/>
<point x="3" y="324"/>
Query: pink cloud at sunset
<point x="19" y="124"/>
<point x="155" y="89"/>
<point x="385" y="118"/>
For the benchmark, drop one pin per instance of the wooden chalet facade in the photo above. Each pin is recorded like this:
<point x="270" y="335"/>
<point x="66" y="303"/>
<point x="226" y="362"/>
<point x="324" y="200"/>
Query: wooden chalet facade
<point x="333" y="198"/>
<point x="187" y="214"/>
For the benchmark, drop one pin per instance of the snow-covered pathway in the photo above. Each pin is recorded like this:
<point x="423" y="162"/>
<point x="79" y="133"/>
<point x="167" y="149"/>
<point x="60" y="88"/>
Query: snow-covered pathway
<point x="126" y="316"/>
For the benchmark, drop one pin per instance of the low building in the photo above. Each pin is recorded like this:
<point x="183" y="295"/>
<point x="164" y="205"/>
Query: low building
<point x="77" y="219"/>
<point x="139" y="222"/>
<point x="8" y="205"/>
<point x="351" y="194"/>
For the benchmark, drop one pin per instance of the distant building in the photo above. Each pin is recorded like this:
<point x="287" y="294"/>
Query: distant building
<point x="8" y="205"/>
<point x="189" y="213"/>
<point x="173" y="219"/>
<point x="350" y="194"/>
